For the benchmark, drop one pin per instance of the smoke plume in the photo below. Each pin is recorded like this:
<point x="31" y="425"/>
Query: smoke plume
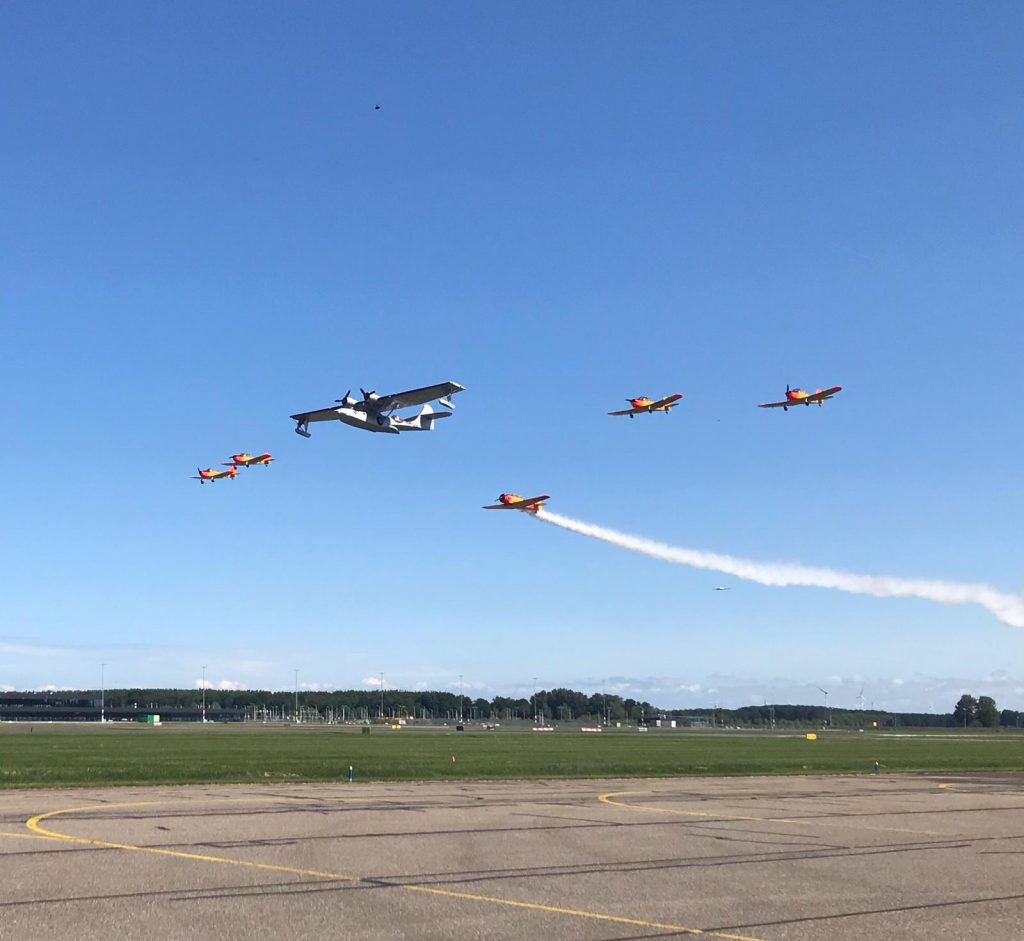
<point x="1006" y="607"/>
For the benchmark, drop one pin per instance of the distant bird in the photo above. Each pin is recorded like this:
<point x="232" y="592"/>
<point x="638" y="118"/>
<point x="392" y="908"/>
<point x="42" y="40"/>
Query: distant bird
<point x="721" y="588"/>
<point x="376" y="107"/>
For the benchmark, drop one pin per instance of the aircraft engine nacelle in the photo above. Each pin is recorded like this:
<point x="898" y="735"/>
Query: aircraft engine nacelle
<point x="348" y="401"/>
<point x="384" y="421"/>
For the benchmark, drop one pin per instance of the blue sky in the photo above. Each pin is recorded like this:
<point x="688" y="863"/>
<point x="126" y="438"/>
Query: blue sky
<point x="207" y="226"/>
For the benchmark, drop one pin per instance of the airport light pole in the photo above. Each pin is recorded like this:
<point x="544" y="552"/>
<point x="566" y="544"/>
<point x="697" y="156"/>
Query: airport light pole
<point x="103" y="668"/>
<point x="535" y="700"/>
<point x="381" y="695"/>
<point x="204" y="692"/>
<point x="296" y="694"/>
<point x="460" y="697"/>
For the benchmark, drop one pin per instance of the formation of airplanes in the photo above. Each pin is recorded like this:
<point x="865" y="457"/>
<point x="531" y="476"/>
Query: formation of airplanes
<point x="211" y="474"/>
<point x="377" y="413"/>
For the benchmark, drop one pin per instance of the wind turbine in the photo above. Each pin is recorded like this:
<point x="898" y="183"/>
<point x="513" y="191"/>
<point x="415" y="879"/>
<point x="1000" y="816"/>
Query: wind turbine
<point x="825" y="691"/>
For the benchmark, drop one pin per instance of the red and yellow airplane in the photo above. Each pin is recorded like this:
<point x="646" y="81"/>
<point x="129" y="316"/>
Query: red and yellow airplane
<point x="213" y="475"/>
<point x="643" y="404"/>
<point x="248" y="460"/>
<point x="512" y="501"/>
<point x="799" y="397"/>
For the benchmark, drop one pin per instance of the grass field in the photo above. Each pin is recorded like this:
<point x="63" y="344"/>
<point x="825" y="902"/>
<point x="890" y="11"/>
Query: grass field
<point x="42" y="755"/>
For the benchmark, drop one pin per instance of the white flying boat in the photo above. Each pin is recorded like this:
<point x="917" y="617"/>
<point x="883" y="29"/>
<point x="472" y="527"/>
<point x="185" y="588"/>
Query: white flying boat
<point x="375" y="412"/>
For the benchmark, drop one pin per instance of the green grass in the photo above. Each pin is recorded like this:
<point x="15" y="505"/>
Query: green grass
<point x="64" y="755"/>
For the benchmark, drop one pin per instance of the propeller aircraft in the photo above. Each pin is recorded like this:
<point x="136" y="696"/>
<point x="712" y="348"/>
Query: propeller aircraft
<point x="643" y="404"/>
<point x="799" y="397"/>
<point x="374" y="412"/>
<point x="248" y="460"/>
<point x="212" y="475"/>
<point x="512" y="501"/>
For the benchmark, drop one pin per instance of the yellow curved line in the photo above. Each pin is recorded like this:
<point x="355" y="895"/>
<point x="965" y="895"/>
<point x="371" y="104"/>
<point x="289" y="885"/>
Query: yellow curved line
<point x="607" y="799"/>
<point x="34" y="824"/>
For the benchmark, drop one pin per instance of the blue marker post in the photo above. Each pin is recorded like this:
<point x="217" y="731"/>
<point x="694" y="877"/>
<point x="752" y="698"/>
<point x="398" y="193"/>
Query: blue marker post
<point x="350" y="774"/>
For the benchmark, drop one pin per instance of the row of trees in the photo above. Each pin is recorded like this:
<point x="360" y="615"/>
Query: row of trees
<point x="558" y="705"/>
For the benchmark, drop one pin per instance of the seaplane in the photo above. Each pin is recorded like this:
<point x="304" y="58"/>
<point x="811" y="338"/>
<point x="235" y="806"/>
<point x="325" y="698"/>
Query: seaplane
<point x="799" y="397"/>
<point x="376" y="412"/>
<point x="212" y="475"/>
<point x="248" y="460"/>
<point x="512" y="501"/>
<point x="643" y="404"/>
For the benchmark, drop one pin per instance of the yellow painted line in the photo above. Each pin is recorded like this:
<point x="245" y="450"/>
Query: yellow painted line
<point x="607" y="799"/>
<point x="34" y="824"/>
<point x="27" y="836"/>
<point x="594" y="916"/>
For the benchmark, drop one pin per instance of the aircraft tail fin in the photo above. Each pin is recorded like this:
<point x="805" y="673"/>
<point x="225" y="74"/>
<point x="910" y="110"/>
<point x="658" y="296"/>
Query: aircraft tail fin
<point x="424" y="420"/>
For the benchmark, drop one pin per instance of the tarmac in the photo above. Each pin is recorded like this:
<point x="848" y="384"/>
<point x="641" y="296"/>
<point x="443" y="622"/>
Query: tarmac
<point x="748" y="859"/>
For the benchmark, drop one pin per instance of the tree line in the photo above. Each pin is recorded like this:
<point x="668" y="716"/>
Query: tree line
<point x="555" y="705"/>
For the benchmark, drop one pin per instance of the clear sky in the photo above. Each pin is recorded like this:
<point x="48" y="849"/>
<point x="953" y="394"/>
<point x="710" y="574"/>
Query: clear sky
<point x="207" y="225"/>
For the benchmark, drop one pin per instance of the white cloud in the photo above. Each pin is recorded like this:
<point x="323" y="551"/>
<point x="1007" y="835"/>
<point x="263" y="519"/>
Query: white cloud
<point x="374" y="681"/>
<point x="230" y="685"/>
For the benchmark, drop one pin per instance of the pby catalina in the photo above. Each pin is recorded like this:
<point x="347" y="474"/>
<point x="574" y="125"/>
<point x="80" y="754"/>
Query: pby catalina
<point x="374" y="412"/>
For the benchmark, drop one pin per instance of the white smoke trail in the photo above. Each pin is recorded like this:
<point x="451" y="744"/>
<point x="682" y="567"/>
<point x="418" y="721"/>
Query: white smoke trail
<point x="1008" y="608"/>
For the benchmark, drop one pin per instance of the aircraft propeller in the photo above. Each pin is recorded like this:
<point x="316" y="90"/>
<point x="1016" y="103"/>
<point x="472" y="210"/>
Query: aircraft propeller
<point x="345" y="397"/>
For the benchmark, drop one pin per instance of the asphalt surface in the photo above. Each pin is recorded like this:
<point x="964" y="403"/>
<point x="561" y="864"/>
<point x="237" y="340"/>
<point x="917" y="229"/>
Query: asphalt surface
<point x="929" y="857"/>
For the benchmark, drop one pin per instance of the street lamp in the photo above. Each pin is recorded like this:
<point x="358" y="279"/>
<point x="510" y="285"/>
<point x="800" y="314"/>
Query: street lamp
<point x="535" y="700"/>
<point x="460" y="697"/>
<point x="103" y="668"/>
<point x="204" y="693"/>
<point x="381" y="695"/>
<point x="296" y="694"/>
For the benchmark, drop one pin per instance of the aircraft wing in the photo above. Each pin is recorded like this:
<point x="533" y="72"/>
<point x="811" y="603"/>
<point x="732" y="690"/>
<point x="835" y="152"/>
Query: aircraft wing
<point x="320" y="414"/>
<point x="518" y="505"/>
<point x="629" y="411"/>
<point x="823" y="394"/>
<point x="777" y="404"/>
<point x="388" y="403"/>
<point x="668" y="400"/>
